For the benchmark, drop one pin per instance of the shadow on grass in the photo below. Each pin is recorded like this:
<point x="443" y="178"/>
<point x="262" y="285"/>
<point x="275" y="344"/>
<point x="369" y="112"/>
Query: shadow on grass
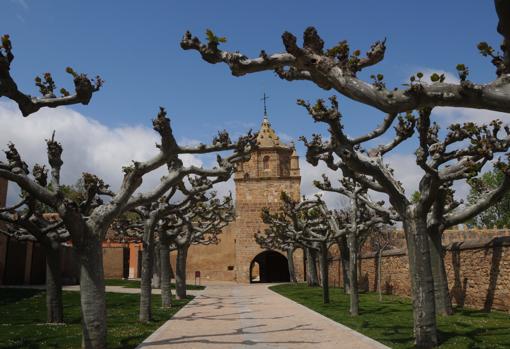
<point x="391" y="321"/>
<point x="13" y="295"/>
<point x="23" y="316"/>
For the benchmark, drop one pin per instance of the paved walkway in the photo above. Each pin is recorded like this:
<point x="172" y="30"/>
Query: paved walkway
<point x="251" y="316"/>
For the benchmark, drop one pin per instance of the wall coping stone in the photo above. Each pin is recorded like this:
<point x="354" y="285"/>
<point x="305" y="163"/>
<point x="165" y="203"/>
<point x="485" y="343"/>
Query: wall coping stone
<point x="500" y="241"/>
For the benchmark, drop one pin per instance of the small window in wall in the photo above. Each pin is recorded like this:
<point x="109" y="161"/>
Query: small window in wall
<point x="230" y="267"/>
<point x="265" y="162"/>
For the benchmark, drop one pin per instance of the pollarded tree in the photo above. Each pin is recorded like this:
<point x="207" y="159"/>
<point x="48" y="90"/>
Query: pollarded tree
<point x="358" y="221"/>
<point x="307" y="223"/>
<point x="88" y="223"/>
<point x="84" y="87"/>
<point x="26" y="221"/>
<point x="144" y="228"/>
<point x="199" y="223"/>
<point x="443" y="162"/>
<point x="336" y="68"/>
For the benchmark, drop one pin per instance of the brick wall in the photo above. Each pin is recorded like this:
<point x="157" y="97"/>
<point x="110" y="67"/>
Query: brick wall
<point x="478" y="269"/>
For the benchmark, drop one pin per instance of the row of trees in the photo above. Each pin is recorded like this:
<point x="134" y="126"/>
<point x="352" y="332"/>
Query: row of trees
<point x="310" y="225"/>
<point x="84" y="219"/>
<point x="165" y="226"/>
<point x="458" y="153"/>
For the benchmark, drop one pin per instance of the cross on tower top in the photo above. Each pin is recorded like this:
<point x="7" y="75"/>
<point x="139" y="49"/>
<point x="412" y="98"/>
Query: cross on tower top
<point x="265" y="98"/>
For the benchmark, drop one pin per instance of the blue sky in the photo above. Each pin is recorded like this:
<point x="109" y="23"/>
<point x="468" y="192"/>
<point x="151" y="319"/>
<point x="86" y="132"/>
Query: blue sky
<point x="134" y="46"/>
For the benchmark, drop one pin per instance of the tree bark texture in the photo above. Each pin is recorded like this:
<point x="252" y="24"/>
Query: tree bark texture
<point x="422" y="285"/>
<point x="92" y="292"/>
<point x="323" y="262"/>
<point x="353" y="274"/>
<point x="156" y="275"/>
<point x="344" y="256"/>
<point x="442" y="295"/>
<point x="311" y="267"/>
<point x="379" y="276"/>
<point x="166" y="291"/>
<point x="290" y="261"/>
<point x="54" y="307"/>
<point x="180" y="272"/>
<point x="146" y="279"/>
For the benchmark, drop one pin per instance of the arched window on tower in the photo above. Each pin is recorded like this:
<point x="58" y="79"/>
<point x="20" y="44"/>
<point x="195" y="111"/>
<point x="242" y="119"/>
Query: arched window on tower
<point x="265" y="163"/>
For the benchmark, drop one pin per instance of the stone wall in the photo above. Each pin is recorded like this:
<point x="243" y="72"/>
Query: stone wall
<point x="478" y="270"/>
<point x="214" y="262"/>
<point x="113" y="261"/>
<point x="252" y="196"/>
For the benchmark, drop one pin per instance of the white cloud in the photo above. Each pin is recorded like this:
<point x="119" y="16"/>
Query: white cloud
<point x="310" y="173"/>
<point x="448" y="115"/>
<point x="89" y="146"/>
<point x="405" y="170"/>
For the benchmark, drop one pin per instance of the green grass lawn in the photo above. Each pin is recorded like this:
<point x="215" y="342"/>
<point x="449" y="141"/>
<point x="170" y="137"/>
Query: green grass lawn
<point x="391" y="321"/>
<point x="136" y="284"/>
<point x="23" y="315"/>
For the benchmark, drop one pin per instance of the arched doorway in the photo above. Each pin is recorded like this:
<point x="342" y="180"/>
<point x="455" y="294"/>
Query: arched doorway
<point x="269" y="266"/>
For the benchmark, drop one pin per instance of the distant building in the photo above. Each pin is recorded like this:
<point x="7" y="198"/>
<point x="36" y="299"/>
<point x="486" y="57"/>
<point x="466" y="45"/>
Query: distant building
<point x="24" y="263"/>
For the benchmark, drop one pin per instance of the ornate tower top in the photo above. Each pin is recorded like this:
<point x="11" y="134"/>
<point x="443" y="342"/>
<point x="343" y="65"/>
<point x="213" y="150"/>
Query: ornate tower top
<point x="273" y="159"/>
<point x="267" y="137"/>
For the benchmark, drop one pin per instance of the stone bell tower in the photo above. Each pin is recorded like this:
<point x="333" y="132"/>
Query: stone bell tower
<point x="273" y="168"/>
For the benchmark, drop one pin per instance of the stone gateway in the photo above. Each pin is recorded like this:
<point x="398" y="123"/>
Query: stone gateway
<point x="273" y="168"/>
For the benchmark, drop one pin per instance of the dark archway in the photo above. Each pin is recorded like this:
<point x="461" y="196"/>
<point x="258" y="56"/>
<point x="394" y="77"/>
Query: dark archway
<point x="272" y="267"/>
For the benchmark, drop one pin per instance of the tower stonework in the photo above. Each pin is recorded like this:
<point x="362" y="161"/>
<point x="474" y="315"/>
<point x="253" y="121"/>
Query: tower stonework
<point x="272" y="168"/>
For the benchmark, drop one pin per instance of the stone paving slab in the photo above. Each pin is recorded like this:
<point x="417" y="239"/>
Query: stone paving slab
<point x="252" y="316"/>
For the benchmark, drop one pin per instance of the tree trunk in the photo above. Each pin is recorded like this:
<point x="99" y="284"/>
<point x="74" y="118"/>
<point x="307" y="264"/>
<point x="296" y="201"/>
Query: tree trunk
<point x="180" y="272"/>
<point x="311" y="266"/>
<point x="290" y="261"/>
<point x="323" y="262"/>
<point x="156" y="275"/>
<point x="92" y="292"/>
<point x="379" y="271"/>
<point x="166" y="291"/>
<point x="54" y="307"/>
<point x="442" y="295"/>
<point x="353" y="274"/>
<point x="146" y="278"/>
<point x="422" y="285"/>
<point x="344" y="255"/>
